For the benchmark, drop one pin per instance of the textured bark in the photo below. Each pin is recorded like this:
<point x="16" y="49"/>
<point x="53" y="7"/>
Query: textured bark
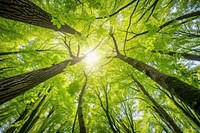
<point x="80" y="112"/>
<point x="185" y="92"/>
<point x="28" y="12"/>
<point x="14" y="86"/>
<point x="185" y="55"/>
<point x="167" y="119"/>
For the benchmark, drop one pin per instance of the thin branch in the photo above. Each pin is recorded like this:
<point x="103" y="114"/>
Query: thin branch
<point x="115" y="43"/>
<point x="68" y="45"/>
<point x="152" y="6"/>
<point x="129" y="25"/>
<point x="189" y="15"/>
<point x="127" y="5"/>
<point x="187" y="34"/>
<point x="95" y="47"/>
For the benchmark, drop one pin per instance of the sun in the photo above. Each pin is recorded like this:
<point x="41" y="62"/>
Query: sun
<point x="91" y="58"/>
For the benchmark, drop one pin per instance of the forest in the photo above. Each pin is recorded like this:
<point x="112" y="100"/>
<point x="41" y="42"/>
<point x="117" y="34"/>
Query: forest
<point x="99" y="66"/>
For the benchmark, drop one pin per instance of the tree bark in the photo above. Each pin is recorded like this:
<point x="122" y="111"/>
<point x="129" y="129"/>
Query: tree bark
<point x="168" y="120"/>
<point x="185" y="55"/>
<point x="80" y="112"/>
<point x="14" y="86"/>
<point x="27" y="12"/>
<point x="183" y="91"/>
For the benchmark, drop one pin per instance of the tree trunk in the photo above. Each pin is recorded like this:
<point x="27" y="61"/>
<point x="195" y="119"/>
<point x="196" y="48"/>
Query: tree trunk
<point x="185" y="109"/>
<point x="28" y="12"/>
<point x="74" y="123"/>
<point x="80" y="112"/>
<point x="21" y="52"/>
<point x="21" y="117"/>
<point x="185" y="55"/>
<point x="14" y="86"/>
<point x="168" y="120"/>
<point x="45" y="122"/>
<point x="106" y="110"/>
<point x="185" y="92"/>
<point x="33" y="118"/>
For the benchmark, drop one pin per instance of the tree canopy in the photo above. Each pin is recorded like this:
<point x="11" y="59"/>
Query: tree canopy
<point x="100" y="66"/>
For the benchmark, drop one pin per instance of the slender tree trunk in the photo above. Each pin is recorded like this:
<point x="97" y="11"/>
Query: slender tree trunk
<point x="185" y="55"/>
<point x="106" y="110"/>
<point x="185" y="92"/>
<point x="80" y="112"/>
<point x="46" y="121"/>
<point x="74" y="123"/>
<point x="188" y="94"/>
<point x="33" y="118"/>
<point x="28" y="12"/>
<point x="168" y="120"/>
<point x="21" y="52"/>
<point x="21" y="117"/>
<point x="14" y="86"/>
<point x="184" y="109"/>
<point x="32" y="124"/>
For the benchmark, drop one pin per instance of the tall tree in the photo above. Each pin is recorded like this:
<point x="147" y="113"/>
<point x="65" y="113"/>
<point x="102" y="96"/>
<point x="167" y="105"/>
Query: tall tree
<point x="33" y="118"/>
<point x="185" y="92"/>
<point x="106" y="109"/>
<point x="21" y="117"/>
<point x="79" y="111"/>
<point x="28" y="12"/>
<point x="167" y="118"/>
<point x="139" y="26"/>
<point x="14" y="86"/>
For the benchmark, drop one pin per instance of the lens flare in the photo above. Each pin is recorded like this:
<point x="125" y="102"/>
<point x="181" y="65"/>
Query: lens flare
<point x="91" y="58"/>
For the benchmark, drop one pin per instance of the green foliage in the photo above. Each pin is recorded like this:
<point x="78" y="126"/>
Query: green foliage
<point x="74" y="88"/>
<point x="125" y="101"/>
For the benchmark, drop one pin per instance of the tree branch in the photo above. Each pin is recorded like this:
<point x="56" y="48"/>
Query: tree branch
<point x="189" y="15"/>
<point x="127" y="5"/>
